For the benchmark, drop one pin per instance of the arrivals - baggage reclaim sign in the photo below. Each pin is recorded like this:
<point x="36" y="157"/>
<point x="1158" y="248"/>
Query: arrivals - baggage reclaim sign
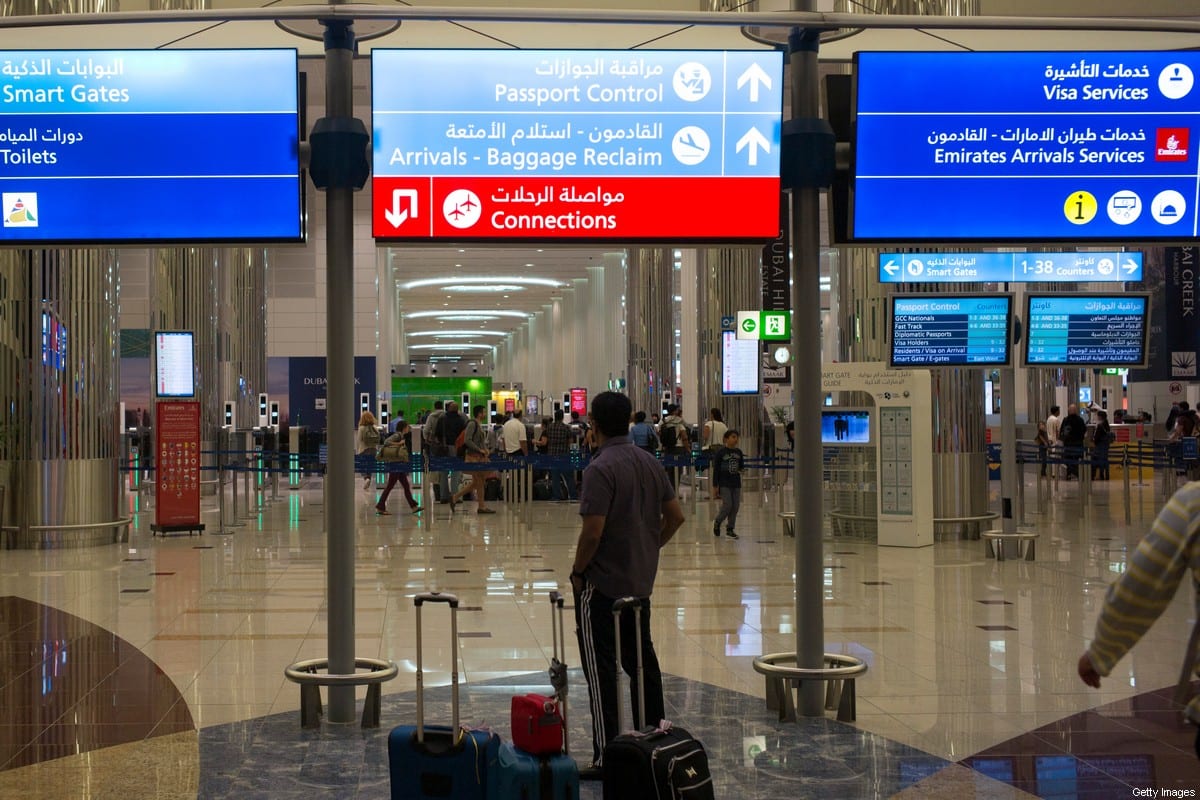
<point x="1026" y="146"/>
<point x="546" y="145"/>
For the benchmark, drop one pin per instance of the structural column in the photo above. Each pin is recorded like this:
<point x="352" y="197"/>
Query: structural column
<point x="649" y="326"/>
<point x="609" y="320"/>
<point x="59" y="385"/>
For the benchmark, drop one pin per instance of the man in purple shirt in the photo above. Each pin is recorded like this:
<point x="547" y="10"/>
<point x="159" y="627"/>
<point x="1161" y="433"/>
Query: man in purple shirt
<point x="629" y="513"/>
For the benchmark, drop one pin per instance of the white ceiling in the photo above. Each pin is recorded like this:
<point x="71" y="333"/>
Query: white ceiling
<point x="560" y="263"/>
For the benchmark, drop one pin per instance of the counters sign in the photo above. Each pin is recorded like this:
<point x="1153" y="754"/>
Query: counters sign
<point x="1086" y="330"/>
<point x="1009" y="267"/>
<point x="1026" y="146"/>
<point x="500" y="145"/>
<point x="149" y="146"/>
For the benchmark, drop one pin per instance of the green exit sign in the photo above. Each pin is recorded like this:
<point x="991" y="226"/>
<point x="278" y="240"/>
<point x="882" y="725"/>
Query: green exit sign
<point x="1115" y="371"/>
<point x="770" y="326"/>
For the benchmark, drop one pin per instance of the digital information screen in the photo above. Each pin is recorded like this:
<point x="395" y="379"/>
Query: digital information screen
<point x="149" y="146"/>
<point x="739" y="364"/>
<point x="948" y="330"/>
<point x="1009" y="267"/>
<point x="174" y="370"/>
<point x="845" y="426"/>
<point x="1025" y="146"/>
<point x="1087" y="330"/>
<point x="520" y="145"/>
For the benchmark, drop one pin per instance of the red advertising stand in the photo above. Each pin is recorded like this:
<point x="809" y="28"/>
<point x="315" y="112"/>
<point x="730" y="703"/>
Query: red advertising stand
<point x="177" y="467"/>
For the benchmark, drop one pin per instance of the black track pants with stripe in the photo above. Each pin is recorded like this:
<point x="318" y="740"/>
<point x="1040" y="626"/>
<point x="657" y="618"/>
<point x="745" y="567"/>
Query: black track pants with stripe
<point x="597" y="648"/>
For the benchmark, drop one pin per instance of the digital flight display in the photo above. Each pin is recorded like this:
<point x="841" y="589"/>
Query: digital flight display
<point x="931" y="330"/>
<point x="1087" y="330"/>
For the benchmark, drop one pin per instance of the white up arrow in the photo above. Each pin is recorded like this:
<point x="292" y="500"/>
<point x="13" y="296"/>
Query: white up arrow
<point x="891" y="267"/>
<point x="1130" y="266"/>
<point x="395" y="214"/>
<point x="755" y="76"/>
<point x="754" y="140"/>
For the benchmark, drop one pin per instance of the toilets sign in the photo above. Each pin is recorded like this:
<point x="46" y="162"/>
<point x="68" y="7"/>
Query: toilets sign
<point x="547" y="145"/>
<point x="141" y="146"/>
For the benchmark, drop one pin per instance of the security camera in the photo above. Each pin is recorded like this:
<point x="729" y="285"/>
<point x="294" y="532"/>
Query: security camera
<point x="433" y="370"/>
<point x="454" y="370"/>
<point x="475" y="370"/>
<point x="412" y="370"/>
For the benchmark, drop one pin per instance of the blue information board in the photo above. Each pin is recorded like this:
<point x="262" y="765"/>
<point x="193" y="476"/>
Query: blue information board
<point x="1009" y="267"/>
<point x="1086" y="330"/>
<point x="1025" y="146"/>
<point x="576" y="144"/>
<point x="149" y="146"/>
<point x="948" y="330"/>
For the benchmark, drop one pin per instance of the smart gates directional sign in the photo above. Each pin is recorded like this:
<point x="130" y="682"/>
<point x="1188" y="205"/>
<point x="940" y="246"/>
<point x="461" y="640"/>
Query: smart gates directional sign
<point x="1009" y="267"/>
<point x="502" y="145"/>
<point x="149" y="146"/>
<point x="1026" y="146"/>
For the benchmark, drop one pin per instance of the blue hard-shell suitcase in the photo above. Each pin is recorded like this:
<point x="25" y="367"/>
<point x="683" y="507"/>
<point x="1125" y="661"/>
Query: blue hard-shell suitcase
<point x="516" y="775"/>
<point x="438" y="761"/>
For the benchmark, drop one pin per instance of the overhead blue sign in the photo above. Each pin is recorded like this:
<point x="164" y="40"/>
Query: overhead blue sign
<point x="1025" y="146"/>
<point x="561" y="144"/>
<point x="1009" y="267"/>
<point x="149" y="146"/>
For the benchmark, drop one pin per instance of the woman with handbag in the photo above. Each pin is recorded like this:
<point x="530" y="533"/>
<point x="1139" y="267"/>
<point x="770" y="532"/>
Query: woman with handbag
<point x="394" y="452"/>
<point x="475" y="442"/>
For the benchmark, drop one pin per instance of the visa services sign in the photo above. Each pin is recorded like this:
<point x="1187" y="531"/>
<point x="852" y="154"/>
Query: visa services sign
<point x="1067" y="146"/>
<point x="554" y="145"/>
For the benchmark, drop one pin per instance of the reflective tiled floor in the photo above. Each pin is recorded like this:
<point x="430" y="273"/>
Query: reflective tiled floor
<point x="154" y="668"/>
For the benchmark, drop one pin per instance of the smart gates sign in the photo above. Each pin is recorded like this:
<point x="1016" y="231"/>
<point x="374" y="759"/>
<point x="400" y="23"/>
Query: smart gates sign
<point x="1026" y="146"/>
<point x="149" y="146"/>
<point x="501" y="145"/>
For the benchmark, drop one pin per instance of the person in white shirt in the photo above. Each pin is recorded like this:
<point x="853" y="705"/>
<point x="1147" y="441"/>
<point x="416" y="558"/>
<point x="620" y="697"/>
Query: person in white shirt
<point x="514" y="435"/>
<point x="1053" y="423"/>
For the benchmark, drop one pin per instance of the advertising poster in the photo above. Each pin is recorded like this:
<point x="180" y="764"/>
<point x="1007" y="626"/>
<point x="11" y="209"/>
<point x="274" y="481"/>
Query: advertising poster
<point x="177" y="464"/>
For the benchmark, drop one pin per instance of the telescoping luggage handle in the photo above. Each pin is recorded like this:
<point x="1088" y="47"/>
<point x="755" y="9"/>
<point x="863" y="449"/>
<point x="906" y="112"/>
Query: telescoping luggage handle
<point x="558" y="661"/>
<point x="618" y="608"/>
<point x="452" y="601"/>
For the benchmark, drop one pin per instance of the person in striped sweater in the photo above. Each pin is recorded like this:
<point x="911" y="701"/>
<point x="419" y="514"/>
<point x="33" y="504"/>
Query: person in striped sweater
<point x="1168" y="552"/>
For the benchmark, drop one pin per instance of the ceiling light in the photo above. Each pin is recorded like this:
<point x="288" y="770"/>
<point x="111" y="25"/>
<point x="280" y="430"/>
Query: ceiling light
<point x="463" y="346"/>
<point x="484" y="279"/>
<point x="443" y="314"/>
<point x="467" y="318"/>
<point x="482" y="287"/>
<point x="454" y="333"/>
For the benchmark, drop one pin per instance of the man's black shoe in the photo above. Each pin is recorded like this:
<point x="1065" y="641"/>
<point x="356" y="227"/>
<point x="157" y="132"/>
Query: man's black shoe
<point x="716" y="529"/>
<point x="591" y="773"/>
<point x="729" y="532"/>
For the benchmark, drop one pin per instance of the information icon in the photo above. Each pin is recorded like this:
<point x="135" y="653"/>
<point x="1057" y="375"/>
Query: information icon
<point x="1124" y="207"/>
<point x="1168" y="207"/>
<point x="1080" y="208"/>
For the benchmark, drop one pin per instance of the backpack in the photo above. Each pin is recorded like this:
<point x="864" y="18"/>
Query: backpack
<point x="668" y="436"/>
<point x="460" y="444"/>
<point x="371" y="436"/>
<point x="651" y="439"/>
